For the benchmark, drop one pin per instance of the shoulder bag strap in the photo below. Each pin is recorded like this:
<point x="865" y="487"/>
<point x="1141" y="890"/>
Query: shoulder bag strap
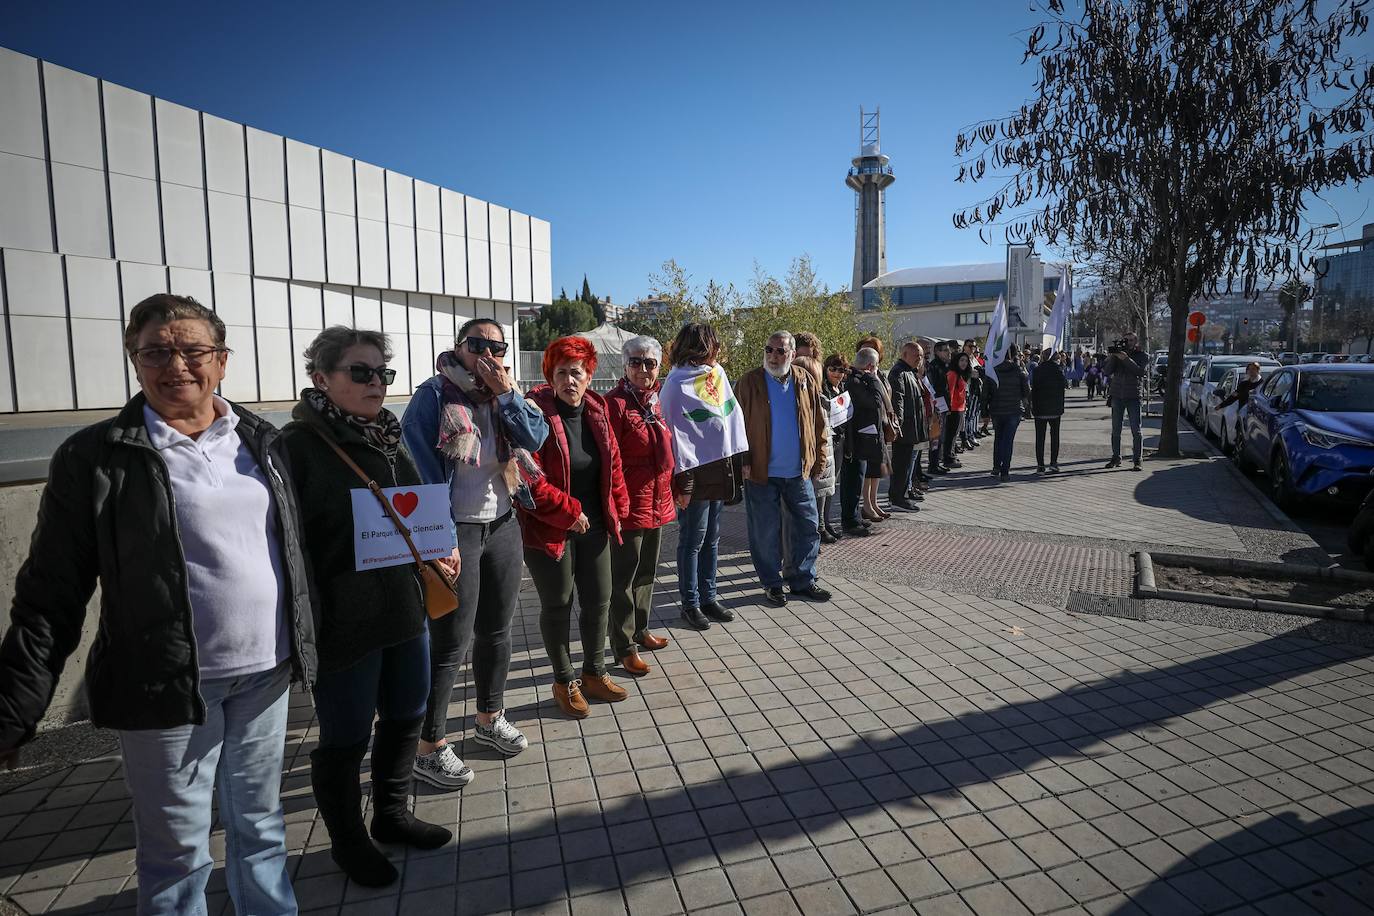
<point x="376" y="491"/>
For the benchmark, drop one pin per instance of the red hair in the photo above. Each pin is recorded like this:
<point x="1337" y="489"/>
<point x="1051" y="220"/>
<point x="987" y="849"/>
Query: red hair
<point x="567" y="350"/>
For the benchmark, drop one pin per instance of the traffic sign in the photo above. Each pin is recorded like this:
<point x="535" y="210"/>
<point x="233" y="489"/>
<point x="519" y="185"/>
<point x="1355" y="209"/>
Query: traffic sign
<point x="1197" y="319"/>
<point x="1194" y="335"/>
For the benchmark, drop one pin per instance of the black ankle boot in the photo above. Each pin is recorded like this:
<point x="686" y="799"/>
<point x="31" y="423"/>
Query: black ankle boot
<point x="334" y="779"/>
<point x="393" y="757"/>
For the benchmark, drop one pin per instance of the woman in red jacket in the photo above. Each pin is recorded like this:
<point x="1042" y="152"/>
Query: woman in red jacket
<point x="646" y="453"/>
<point x="958" y="377"/>
<point x="579" y="502"/>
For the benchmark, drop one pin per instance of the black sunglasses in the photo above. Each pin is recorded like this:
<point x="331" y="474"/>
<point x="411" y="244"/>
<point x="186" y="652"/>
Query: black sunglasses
<point x="363" y="374"/>
<point x="642" y="362"/>
<point x="478" y="344"/>
<point x="771" y="349"/>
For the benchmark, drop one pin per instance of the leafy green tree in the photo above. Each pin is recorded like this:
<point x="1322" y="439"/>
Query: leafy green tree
<point x="559" y="318"/>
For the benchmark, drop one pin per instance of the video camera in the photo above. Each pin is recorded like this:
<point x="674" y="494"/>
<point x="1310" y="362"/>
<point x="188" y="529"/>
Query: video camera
<point x="1117" y="346"/>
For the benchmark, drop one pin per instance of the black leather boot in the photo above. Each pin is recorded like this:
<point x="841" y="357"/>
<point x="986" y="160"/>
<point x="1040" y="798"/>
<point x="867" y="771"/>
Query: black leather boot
<point x="393" y="757"/>
<point x="334" y="780"/>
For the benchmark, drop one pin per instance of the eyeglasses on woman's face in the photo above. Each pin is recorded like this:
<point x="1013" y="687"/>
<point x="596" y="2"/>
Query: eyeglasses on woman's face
<point x="648" y="363"/>
<point x="161" y="357"/>
<point x="485" y="344"/>
<point x="361" y="374"/>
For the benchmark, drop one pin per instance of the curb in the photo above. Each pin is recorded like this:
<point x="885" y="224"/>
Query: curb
<point x="1146" y="588"/>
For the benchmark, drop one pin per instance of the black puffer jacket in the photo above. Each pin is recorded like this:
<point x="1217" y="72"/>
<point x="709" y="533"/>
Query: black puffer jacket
<point x="1047" y="391"/>
<point x="107" y="515"/>
<point x="359" y="611"/>
<point x="1010" y="392"/>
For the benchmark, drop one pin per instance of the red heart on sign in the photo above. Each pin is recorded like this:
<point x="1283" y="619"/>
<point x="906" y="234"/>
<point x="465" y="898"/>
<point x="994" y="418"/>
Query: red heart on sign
<point x="405" y="503"/>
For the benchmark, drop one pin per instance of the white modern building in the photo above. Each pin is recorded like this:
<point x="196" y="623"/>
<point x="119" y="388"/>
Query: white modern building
<point x="108" y="195"/>
<point x="953" y="302"/>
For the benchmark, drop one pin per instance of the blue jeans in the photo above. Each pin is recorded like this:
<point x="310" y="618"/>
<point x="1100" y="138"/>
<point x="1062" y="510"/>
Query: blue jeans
<point x="1121" y="406"/>
<point x="172" y="773"/>
<point x="698" y="543"/>
<point x="766" y="503"/>
<point x="392" y="683"/>
<point x="1004" y="431"/>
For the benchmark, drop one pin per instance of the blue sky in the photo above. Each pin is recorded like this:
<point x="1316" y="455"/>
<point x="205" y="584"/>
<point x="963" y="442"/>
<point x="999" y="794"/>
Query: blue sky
<point x="714" y="133"/>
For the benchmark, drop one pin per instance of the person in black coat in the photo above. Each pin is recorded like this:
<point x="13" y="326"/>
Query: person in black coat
<point x="181" y="509"/>
<point x="938" y="374"/>
<point x="373" y="642"/>
<point x="909" y="414"/>
<point x="1047" y="406"/>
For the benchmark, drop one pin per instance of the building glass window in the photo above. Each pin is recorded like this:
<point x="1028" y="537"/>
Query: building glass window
<point x="966" y="319"/>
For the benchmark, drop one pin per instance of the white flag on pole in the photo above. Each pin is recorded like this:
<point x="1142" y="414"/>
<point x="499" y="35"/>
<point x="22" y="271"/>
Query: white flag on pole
<point x="999" y="341"/>
<point x="1059" y="317"/>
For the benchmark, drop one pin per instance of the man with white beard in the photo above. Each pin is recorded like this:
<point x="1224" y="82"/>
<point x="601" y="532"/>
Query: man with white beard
<point x="789" y="434"/>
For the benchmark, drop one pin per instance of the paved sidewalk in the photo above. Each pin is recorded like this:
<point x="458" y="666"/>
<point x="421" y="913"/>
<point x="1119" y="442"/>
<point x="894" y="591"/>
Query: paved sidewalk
<point x="905" y="748"/>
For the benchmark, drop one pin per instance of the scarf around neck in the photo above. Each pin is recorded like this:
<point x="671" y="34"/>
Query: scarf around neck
<point x="382" y="433"/>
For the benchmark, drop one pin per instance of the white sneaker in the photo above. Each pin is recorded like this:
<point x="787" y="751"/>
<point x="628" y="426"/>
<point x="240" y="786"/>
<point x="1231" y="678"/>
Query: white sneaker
<point x="443" y="768"/>
<point x="501" y="735"/>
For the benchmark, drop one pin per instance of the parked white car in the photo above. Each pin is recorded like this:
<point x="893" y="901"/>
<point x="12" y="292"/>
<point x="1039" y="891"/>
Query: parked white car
<point x="1222" y="423"/>
<point x="1197" y="394"/>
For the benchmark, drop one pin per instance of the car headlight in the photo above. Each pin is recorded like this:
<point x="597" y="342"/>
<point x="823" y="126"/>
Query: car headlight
<point x="1324" y="439"/>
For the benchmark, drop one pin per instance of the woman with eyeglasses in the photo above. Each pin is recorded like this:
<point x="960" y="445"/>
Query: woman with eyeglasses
<point x="180" y="507"/>
<point x="646" y="455"/>
<point x="469" y="428"/>
<point x="373" y="644"/>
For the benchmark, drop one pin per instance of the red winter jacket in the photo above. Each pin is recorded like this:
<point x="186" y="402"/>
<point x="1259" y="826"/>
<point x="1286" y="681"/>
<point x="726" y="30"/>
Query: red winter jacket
<point x="646" y="453"/>
<point x="555" y="509"/>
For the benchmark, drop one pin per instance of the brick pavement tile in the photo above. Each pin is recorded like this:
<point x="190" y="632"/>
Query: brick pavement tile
<point x="754" y="878"/>
<point x="704" y="889"/>
<point x="944" y="905"/>
<point x="1039" y="893"/>
<point x="1005" y="859"/>
<point x="779" y="903"/>
<point x="994" y="898"/>
<point x="656" y="898"/>
<point x="1046" y="849"/>
<point x="934" y="838"/>
<point x="827" y="897"/>
<point x="962" y="869"/>
<point x="872" y="890"/>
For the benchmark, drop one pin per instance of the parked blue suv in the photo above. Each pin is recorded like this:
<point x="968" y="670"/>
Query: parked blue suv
<point x="1311" y="428"/>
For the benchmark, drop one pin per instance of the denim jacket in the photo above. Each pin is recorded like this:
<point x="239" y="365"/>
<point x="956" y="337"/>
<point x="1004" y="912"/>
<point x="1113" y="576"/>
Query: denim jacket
<point x="524" y="423"/>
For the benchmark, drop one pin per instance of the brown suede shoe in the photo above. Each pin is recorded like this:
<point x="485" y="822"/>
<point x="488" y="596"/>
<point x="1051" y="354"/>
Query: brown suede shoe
<point x="633" y="664"/>
<point x="651" y="642"/>
<point x="601" y="687"/>
<point x="570" y="700"/>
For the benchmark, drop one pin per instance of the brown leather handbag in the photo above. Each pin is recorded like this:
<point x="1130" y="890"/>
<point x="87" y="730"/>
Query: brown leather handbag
<point x="441" y="586"/>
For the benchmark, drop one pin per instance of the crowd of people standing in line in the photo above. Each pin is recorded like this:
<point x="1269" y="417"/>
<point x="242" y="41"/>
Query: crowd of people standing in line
<point x="226" y="553"/>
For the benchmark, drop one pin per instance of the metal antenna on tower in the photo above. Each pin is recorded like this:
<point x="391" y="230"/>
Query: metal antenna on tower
<point x="869" y="177"/>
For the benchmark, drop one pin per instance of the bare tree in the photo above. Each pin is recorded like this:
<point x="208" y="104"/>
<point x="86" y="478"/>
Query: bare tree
<point x="1188" y="131"/>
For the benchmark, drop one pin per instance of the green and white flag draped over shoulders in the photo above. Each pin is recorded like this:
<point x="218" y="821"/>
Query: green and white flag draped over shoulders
<point x="1063" y="303"/>
<point x="999" y="341"/>
<point x="702" y="412"/>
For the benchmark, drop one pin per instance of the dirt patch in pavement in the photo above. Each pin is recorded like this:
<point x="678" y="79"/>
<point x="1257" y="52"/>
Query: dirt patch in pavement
<point x="1325" y="593"/>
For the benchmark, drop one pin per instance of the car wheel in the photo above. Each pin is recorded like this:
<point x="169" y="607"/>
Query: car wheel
<point x="1281" y="483"/>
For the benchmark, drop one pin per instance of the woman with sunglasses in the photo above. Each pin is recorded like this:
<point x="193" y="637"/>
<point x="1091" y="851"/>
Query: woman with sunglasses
<point x="373" y="644"/>
<point x="646" y="455"/>
<point x="468" y="427"/>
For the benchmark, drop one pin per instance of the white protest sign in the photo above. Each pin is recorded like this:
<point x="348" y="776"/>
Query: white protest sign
<point x="423" y="509"/>
<point x="841" y="409"/>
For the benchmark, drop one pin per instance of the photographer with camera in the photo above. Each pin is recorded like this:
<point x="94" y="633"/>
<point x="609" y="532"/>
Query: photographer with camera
<point x="1125" y="372"/>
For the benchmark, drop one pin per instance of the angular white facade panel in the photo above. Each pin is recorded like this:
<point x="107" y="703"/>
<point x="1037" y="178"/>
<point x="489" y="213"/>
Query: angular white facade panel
<point x="278" y="375"/>
<point x="6" y="391"/>
<point x="452" y="212"/>
<point x="307" y="316"/>
<point x="426" y="205"/>
<point x="519" y="230"/>
<point x="25" y="219"/>
<point x="394" y="323"/>
<point x="400" y="200"/>
<point x="367" y="309"/>
<point x="498" y="223"/>
<point x="421" y="336"/>
<point x="338" y="183"/>
<point x="33" y="284"/>
<point x="372" y="266"/>
<point x="520" y="286"/>
<point x="134" y="209"/>
<point x="98" y="360"/>
<point x="307" y="244"/>
<point x="179" y="158"/>
<point x="234" y="300"/>
<point x="479" y="268"/>
<point x="539" y="234"/>
<point x="73" y="118"/>
<point x="401" y="249"/>
<point x="270" y="254"/>
<point x="266" y="166"/>
<point x="229" y="239"/>
<point x="241" y="374"/>
<point x="370" y="183"/>
<point x="42" y="363"/>
<point x="303" y="175"/>
<point x="429" y="261"/>
<point x="129" y="142"/>
<point x="226" y="169"/>
<point x="21" y="110"/>
<point x="271" y="303"/>
<point x="139" y="281"/>
<point x="441" y="322"/>
<point x="476" y="217"/>
<point x="93" y="288"/>
<point x="83" y="222"/>
<point x="183" y="224"/>
<point x="500" y="271"/>
<point x="455" y="265"/>
<point x="184" y="281"/>
<point x="338" y="305"/>
<point x="341" y="248"/>
<point x="541" y="270"/>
